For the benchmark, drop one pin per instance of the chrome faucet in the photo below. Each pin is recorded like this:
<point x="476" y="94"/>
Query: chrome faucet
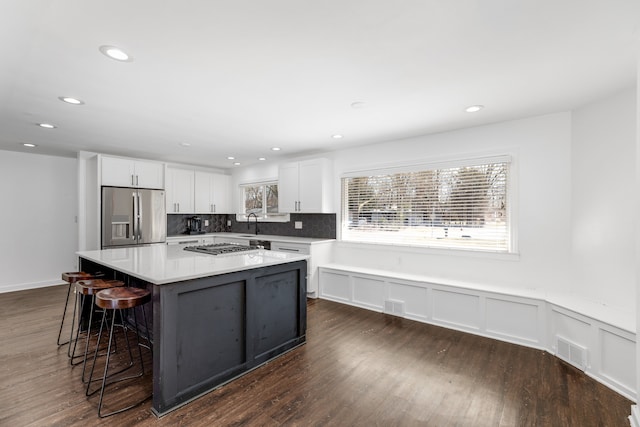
<point x="249" y="224"/>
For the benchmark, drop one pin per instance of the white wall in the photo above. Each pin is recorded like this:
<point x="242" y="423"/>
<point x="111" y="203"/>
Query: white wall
<point x="541" y="149"/>
<point x="603" y="215"/>
<point x="39" y="236"/>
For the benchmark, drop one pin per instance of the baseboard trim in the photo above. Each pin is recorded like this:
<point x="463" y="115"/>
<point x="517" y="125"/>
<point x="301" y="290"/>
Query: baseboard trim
<point x="32" y="285"/>
<point x="634" y="418"/>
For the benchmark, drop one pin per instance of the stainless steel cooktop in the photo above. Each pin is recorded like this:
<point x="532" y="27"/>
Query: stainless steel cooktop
<point x="219" y="248"/>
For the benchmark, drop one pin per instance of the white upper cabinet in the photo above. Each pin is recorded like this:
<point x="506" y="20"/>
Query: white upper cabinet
<point x="180" y="190"/>
<point x="212" y="193"/>
<point x="121" y="172"/>
<point x="305" y="187"/>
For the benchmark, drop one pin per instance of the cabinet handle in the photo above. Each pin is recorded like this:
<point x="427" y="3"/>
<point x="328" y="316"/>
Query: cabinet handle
<point x="178" y="206"/>
<point x="137" y="180"/>
<point x="288" y="249"/>
<point x="131" y="179"/>
<point x="211" y="208"/>
<point x="214" y="208"/>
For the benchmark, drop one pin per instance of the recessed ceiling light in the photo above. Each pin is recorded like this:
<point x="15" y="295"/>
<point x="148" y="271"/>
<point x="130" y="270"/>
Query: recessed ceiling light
<point x="26" y="144"/>
<point x="231" y="158"/>
<point x="358" y="104"/>
<point x="336" y="136"/>
<point x="185" y="144"/>
<point x="474" y="108"/>
<point x="115" y="53"/>
<point x="46" y="125"/>
<point x="236" y="163"/>
<point x="262" y="159"/>
<point x="69" y="100"/>
<point x="275" y="149"/>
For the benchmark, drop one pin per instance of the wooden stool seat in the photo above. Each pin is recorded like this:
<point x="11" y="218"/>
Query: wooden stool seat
<point x="91" y="287"/>
<point x="121" y="298"/>
<point x="71" y="277"/>
<point x="74" y="276"/>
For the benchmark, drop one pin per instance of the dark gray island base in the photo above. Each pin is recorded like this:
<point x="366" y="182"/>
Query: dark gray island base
<point x="210" y="330"/>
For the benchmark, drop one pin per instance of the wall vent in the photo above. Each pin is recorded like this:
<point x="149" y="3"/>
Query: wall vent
<point x="571" y="353"/>
<point x="395" y="307"/>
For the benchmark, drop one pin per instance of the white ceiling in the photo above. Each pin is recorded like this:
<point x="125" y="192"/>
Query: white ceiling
<point x="235" y="78"/>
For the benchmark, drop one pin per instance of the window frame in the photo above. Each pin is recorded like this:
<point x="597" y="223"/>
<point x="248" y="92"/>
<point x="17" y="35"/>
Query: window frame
<point x="512" y="249"/>
<point x="263" y="216"/>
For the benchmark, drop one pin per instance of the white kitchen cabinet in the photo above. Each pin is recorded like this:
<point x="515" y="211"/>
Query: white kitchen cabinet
<point x="238" y="241"/>
<point x="209" y="240"/>
<point x="180" y="190"/>
<point x="184" y="240"/>
<point x="188" y="240"/>
<point x="296" y="248"/>
<point x="305" y="187"/>
<point x="319" y="254"/>
<point x="122" y="172"/>
<point x="211" y="193"/>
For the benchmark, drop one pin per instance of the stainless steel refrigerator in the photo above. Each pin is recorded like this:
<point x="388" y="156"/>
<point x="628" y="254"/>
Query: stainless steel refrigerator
<point x="132" y="216"/>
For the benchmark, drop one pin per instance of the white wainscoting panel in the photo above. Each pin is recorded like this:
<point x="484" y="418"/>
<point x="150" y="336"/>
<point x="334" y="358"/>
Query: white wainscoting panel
<point x="335" y="286"/>
<point x="414" y="297"/>
<point x="617" y="353"/>
<point x="368" y="292"/>
<point x="457" y="309"/>
<point x="516" y="320"/>
<point x="610" y="352"/>
<point x="571" y="326"/>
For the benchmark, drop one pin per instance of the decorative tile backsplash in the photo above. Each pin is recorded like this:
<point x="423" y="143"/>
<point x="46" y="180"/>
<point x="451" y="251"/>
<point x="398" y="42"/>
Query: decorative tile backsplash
<point x="177" y="224"/>
<point x="313" y="225"/>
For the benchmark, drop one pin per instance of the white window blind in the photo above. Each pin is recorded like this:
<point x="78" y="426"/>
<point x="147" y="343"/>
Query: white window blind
<point x="454" y="207"/>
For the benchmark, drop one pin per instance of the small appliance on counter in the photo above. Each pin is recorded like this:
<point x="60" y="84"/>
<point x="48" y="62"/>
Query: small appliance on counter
<point x="194" y="225"/>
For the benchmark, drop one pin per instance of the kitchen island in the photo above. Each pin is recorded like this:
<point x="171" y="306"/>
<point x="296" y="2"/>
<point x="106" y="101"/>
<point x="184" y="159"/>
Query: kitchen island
<point x="214" y="317"/>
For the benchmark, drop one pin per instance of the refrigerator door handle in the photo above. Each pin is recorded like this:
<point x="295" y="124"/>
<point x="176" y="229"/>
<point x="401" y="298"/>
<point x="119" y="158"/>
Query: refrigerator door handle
<point x="136" y="224"/>
<point x="139" y="219"/>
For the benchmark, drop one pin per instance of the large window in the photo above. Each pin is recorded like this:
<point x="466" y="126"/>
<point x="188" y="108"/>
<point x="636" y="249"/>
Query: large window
<point x="261" y="199"/>
<point x="463" y="207"/>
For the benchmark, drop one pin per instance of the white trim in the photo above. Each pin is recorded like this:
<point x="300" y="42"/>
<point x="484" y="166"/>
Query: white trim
<point x="31" y="285"/>
<point x="634" y="418"/>
<point x="428" y="164"/>
<point x="400" y="248"/>
<point x="273" y="217"/>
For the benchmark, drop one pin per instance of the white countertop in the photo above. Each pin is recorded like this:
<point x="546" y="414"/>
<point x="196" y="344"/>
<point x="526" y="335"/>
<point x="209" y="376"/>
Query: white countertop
<point x="249" y="236"/>
<point x="161" y="264"/>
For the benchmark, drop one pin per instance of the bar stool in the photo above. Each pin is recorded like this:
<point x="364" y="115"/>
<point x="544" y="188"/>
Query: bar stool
<point x="112" y="300"/>
<point x="86" y="289"/>
<point x="70" y="278"/>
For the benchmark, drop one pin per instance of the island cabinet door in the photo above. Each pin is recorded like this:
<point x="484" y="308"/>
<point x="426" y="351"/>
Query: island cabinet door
<point x="208" y="331"/>
<point x="276" y="312"/>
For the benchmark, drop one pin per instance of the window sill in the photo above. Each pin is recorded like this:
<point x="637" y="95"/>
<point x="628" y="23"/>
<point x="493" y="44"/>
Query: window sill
<point x="470" y="253"/>
<point x="279" y="217"/>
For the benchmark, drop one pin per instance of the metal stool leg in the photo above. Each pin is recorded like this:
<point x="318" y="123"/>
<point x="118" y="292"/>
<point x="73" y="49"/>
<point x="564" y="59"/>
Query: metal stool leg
<point x="64" y="315"/>
<point x="106" y="369"/>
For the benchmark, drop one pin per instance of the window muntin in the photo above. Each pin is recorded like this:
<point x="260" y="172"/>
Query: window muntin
<point x="465" y="207"/>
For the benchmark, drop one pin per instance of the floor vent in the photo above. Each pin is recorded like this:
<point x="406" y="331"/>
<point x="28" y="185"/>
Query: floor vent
<point x="395" y="307"/>
<point x="571" y="353"/>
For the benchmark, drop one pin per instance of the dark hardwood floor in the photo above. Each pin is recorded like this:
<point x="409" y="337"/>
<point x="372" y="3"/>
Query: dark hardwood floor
<point x="358" y="368"/>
